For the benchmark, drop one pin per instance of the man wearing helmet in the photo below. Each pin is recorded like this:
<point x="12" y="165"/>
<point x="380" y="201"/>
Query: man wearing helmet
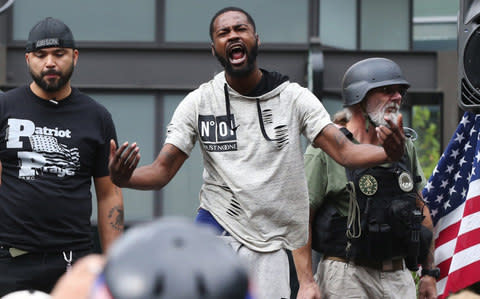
<point x="364" y="222"/>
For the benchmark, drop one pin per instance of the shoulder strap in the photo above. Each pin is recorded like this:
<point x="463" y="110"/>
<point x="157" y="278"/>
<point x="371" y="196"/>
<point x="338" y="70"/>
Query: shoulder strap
<point x="347" y="133"/>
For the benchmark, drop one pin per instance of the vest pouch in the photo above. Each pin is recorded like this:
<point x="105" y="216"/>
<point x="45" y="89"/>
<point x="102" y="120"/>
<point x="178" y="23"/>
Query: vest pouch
<point x="379" y="241"/>
<point x="413" y="250"/>
<point x="412" y="262"/>
<point x="419" y="242"/>
<point x="400" y="218"/>
<point x="328" y="231"/>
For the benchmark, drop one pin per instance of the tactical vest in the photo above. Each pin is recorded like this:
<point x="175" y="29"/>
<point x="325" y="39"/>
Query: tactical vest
<point x="383" y="220"/>
<point x="389" y="221"/>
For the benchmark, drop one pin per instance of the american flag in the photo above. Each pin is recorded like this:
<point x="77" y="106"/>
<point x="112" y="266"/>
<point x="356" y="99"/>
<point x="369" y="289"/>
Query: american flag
<point x="54" y="152"/>
<point x="453" y="196"/>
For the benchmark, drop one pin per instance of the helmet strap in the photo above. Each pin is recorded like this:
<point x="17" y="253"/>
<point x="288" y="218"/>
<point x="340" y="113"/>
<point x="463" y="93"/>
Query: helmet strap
<point x="368" y="120"/>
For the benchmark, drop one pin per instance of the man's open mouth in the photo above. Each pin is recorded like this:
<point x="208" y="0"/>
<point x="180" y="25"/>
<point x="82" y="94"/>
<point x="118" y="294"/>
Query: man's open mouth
<point x="237" y="54"/>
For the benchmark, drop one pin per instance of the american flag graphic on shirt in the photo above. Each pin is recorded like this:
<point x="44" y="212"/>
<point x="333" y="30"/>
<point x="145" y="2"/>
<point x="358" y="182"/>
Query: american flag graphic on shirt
<point x="56" y="155"/>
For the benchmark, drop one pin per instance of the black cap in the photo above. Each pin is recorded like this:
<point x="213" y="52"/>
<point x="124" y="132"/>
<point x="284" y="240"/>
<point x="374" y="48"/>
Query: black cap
<point x="49" y="33"/>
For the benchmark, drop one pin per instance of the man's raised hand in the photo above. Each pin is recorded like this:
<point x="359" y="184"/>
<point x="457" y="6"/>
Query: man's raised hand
<point x="122" y="162"/>
<point x="392" y="138"/>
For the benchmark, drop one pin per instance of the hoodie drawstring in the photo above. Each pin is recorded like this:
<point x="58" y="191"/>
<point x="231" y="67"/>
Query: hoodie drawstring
<point x="282" y="133"/>
<point x="227" y="105"/>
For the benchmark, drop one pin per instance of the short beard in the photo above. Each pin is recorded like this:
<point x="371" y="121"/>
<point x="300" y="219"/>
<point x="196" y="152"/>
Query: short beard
<point x="56" y="85"/>
<point x="242" y="72"/>
<point x="378" y="117"/>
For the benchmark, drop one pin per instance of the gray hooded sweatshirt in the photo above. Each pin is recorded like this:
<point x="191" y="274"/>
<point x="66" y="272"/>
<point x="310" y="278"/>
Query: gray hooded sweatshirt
<point x="254" y="180"/>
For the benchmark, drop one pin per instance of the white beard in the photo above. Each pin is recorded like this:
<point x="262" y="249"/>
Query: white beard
<point x="378" y="117"/>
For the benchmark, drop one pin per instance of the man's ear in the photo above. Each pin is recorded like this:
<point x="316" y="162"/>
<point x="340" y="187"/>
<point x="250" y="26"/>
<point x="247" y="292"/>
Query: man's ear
<point x="258" y="38"/>
<point x="75" y="57"/>
<point x="212" y="48"/>
<point x="27" y="58"/>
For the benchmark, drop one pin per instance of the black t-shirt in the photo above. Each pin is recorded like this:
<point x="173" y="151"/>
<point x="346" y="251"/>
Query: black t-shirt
<point x="49" y="153"/>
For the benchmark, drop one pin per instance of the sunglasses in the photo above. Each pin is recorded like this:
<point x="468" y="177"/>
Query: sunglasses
<point x="390" y="90"/>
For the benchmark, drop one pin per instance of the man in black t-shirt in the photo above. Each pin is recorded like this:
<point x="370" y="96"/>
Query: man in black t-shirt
<point x="53" y="141"/>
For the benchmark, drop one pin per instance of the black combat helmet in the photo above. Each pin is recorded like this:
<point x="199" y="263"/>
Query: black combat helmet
<point x="368" y="74"/>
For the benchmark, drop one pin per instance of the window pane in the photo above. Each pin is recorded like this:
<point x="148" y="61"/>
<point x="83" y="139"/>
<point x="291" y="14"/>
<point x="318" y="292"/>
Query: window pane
<point x="277" y="21"/>
<point x="90" y="20"/>
<point x="134" y="117"/>
<point x="338" y="23"/>
<point x="435" y="36"/>
<point x="435" y="31"/>
<point x="375" y="34"/>
<point x="435" y="24"/>
<point x="180" y="196"/>
<point x="425" y="8"/>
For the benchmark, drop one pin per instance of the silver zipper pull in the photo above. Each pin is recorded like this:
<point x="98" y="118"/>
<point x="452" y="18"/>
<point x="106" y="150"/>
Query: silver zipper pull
<point x="68" y="260"/>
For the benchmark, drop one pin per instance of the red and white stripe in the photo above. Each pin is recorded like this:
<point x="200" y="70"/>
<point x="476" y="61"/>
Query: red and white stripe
<point x="457" y="243"/>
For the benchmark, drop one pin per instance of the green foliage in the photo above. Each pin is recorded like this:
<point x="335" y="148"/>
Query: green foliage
<point x="416" y="279"/>
<point x="426" y="120"/>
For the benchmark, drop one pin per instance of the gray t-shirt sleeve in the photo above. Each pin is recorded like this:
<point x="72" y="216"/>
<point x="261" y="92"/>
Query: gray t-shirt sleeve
<point x="314" y="117"/>
<point x="182" y="129"/>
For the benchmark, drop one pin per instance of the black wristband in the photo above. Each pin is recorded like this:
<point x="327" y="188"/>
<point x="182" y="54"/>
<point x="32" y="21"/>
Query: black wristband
<point x="435" y="272"/>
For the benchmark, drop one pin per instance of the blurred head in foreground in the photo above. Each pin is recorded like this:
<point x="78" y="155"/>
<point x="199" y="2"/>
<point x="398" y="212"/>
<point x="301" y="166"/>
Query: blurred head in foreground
<point x="172" y="258"/>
